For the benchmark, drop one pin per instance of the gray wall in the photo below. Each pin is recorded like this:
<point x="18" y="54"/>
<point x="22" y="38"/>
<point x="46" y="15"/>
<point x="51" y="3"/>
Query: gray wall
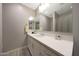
<point x="64" y="22"/>
<point x="0" y="27"/>
<point x="45" y="23"/>
<point x="14" y="16"/>
<point x="76" y="28"/>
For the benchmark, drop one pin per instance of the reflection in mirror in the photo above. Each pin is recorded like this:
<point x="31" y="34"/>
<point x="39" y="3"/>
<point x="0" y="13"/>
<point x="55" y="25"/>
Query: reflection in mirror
<point x="60" y="15"/>
<point x="37" y="25"/>
<point x="64" y="22"/>
<point x="64" y="19"/>
<point x="31" y="25"/>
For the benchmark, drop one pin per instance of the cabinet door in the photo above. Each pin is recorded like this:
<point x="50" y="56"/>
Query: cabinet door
<point x="30" y="44"/>
<point x="46" y="51"/>
<point x="33" y="46"/>
<point x="41" y="50"/>
<point x="36" y="49"/>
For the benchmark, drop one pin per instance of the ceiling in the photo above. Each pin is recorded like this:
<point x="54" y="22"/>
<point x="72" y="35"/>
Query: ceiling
<point x="32" y="5"/>
<point x="59" y="8"/>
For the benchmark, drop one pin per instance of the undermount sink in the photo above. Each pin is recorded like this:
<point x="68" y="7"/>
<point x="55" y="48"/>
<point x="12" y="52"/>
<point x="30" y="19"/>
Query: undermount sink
<point x="54" y="36"/>
<point x="42" y="35"/>
<point x="39" y="35"/>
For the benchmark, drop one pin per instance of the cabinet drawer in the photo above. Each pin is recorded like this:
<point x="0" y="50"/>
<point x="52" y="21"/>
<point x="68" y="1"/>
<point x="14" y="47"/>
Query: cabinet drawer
<point x="36" y="49"/>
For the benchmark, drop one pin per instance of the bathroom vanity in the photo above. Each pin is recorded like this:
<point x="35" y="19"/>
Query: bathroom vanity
<point x="56" y="38"/>
<point x="44" y="45"/>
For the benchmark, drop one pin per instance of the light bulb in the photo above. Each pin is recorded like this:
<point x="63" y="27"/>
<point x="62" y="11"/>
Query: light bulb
<point x="31" y="18"/>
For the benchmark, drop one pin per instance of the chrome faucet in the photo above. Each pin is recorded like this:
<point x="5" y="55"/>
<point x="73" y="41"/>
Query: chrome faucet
<point x="58" y="37"/>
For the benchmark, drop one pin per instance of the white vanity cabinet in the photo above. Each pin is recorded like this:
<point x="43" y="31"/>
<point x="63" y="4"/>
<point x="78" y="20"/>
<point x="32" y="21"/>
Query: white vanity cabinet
<point x="38" y="49"/>
<point x="45" y="51"/>
<point x="30" y="45"/>
<point x="33" y="46"/>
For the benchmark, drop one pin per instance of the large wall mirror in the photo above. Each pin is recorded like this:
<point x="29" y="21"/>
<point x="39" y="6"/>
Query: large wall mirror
<point x="59" y="16"/>
<point x="34" y="23"/>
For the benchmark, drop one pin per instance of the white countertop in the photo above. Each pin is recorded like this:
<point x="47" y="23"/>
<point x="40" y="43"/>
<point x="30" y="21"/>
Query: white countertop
<point x="64" y="47"/>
